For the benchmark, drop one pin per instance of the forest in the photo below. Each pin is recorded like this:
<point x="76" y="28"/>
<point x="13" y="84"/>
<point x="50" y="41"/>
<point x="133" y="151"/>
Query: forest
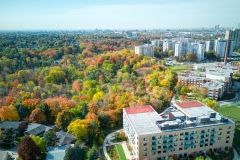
<point x="81" y="88"/>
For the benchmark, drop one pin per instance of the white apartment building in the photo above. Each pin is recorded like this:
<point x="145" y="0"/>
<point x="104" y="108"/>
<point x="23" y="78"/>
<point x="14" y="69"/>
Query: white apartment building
<point x="187" y="128"/>
<point x="220" y="47"/>
<point x="198" y="50"/>
<point x="182" y="48"/>
<point x="210" y="44"/>
<point x="168" y="45"/>
<point x="157" y="43"/>
<point x="147" y="50"/>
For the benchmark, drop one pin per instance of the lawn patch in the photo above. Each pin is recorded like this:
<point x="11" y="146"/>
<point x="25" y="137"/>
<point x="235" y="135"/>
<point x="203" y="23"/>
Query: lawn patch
<point x="179" y="68"/>
<point x="121" y="152"/>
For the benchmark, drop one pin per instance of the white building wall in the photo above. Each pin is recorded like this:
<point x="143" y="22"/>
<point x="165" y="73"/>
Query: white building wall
<point x="147" y="50"/>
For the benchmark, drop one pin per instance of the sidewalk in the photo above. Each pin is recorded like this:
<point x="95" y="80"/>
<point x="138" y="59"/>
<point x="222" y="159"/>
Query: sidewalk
<point x="108" y="142"/>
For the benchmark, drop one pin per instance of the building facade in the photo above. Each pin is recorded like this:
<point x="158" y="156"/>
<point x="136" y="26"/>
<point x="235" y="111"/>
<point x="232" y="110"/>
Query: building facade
<point x="198" y="49"/>
<point x="235" y="36"/>
<point x="168" y="45"/>
<point x="187" y="128"/>
<point x="147" y="50"/>
<point x="210" y="44"/>
<point x="157" y="43"/>
<point x="220" y="47"/>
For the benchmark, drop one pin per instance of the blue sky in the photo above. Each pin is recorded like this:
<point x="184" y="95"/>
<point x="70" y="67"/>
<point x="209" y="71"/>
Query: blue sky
<point x="117" y="14"/>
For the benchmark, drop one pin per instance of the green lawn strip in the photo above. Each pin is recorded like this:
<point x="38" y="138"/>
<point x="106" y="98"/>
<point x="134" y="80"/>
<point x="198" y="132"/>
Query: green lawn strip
<point x="121" y="152"/>
<point x="179" y="68"/>
<point x="233" y="113"/>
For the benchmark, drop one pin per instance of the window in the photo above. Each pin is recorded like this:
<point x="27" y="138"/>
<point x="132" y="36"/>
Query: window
<point x="159" y="152"/>
<point x="229" y="127"/>
<point x="159" y="142"/>
<point x="153" y="138"/>
<point x="181" y="134"/>
<point x="164" y="151"/>
<point x="201" y="145"/>
<point x="219" y="138"/>
<point x="220" y="133"/>
<point x="206" y="144"/>
<point x="159" y="147"/>
<point x="144" y="154"/>
<point x="227" y="137"/>
<point x="144" y="144"/>
<point x="145" y="149"/>
<point x="186" y="133"/>
<point x="220" y="128"/>
<point x="175" y="134"/>
<point x="159" y="137"/>
<point x="180" y="149"/>
<point x="144" y="139"/>
<point x="228" y="132"/>
<point x="227" y="141"/>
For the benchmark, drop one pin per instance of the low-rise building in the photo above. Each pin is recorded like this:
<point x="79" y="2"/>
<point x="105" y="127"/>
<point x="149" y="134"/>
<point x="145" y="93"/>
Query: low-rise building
<point x="187" y="128"/>
<point x="215" y="89"/>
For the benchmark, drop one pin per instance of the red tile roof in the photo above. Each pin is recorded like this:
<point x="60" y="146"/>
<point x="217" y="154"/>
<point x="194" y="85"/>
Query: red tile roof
<point x="139" y="109"/>
<point x="189" y="104"/>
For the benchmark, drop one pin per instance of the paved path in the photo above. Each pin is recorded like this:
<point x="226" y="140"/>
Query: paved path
<point x="108" y="142"/>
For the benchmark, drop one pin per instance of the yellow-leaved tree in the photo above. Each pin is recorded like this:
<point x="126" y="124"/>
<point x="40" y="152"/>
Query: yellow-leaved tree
<point x="79" y="128"/>
<point x="9" y="113"/>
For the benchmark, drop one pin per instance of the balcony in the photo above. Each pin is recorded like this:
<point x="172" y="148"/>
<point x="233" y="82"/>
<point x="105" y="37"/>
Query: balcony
<point x="165" y="149"/>
<point x="154" y="140"/>
<point x="203" y="133"/>
<point x="165" y="138"/>
<point x="212" y="137"/>
<point x="202" y="139"/>
<point x="170" y="138"/>
<point x="213" y="132"/>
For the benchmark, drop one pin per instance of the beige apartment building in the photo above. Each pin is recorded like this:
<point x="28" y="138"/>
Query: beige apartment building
<point x="183" y="129"/>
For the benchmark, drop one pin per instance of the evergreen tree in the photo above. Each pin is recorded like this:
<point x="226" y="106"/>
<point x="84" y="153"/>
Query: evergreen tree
<point x="50" y="138"/>
<point x="75" y="153"/>
<point x="93" y="154"/>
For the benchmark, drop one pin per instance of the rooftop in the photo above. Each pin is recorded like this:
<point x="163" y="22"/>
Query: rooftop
<point x="189" y="104"/>
<point x="139" y="109"/>
<point x="184" y="115"/>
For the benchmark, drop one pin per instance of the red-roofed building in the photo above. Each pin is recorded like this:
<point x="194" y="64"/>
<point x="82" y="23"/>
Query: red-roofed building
<point x="139" y="109"/>
<point x="189" y="104"/>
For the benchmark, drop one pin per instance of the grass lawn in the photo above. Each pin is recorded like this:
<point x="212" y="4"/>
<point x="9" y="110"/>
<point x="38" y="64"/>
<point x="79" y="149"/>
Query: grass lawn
<point x="179" y="68"/>
<point x="121" y="152"/>
<point x="233" y="113"/>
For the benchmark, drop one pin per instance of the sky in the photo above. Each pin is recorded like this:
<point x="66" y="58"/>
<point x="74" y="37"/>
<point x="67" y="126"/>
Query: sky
<point x="117" y="14"/>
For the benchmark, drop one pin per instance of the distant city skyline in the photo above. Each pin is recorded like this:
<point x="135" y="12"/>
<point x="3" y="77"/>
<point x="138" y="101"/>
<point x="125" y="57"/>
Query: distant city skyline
<point x="124" y="14"/>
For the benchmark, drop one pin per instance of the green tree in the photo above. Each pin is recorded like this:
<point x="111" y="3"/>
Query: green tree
<point x="191" y="56"/>
<point x="39" y="142"/>
<point x="171" y="53"/>
<point x="75" y="153"/>
<point x="51" y="138"/>
<point x="8" y="136"/>
<point x="239" y="50"/>
<point x="184" y="90"/>
<point x="64" y="118"/>
<point x="93" y="154"/>
<point x="22" y="112"/>
<point x="27" y="149"/>
<point x="210" y="55"/>
<point x="56" y="75"/>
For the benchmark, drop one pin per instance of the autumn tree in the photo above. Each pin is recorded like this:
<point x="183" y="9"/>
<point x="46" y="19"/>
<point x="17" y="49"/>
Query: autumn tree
<point x="75" y="153"/>
<point x="27" y="149"/>
<point x="64" y="118"/>
<point x="79" y="128"/>
<point x="212" y="104"/>
<point x="191" y="56"/>
<point x="37" y="116"/>
<point x="171" y="53"/>
<point x="9" y="113"/>
<point x="50" y="138"/>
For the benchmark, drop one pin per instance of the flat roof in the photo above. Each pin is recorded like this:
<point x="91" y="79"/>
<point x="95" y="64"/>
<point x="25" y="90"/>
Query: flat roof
<point x="143" y="119"/>
<point x="139" y="109"/>
<point x="189" y="104"/>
